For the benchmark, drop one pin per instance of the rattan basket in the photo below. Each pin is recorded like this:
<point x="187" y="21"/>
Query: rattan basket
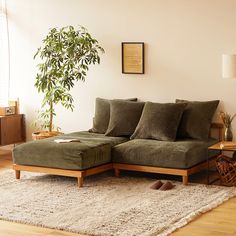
<point x="45" y="134"/>
<point x="226" y="167"/>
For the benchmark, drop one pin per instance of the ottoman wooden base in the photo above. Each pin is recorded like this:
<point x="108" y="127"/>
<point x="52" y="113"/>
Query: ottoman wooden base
<point x="79" y="174"/>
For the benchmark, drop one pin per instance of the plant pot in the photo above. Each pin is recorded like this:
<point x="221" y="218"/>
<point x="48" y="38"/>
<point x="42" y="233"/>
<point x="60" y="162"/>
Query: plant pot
<point x="45" y="134"/>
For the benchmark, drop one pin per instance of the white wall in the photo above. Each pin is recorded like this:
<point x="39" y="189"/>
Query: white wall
<point x="184" y="41"/>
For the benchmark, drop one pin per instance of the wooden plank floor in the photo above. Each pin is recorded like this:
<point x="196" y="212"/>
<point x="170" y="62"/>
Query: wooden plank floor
<point x="217" y="222"/>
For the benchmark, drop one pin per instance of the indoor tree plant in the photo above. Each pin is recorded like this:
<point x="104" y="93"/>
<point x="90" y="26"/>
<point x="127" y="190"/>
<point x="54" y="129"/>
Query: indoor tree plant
<point x="65" y="56"/>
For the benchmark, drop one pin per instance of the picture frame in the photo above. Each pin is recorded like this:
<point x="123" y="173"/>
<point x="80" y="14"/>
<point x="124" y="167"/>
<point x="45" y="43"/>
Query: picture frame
<point x="132" y="57"/>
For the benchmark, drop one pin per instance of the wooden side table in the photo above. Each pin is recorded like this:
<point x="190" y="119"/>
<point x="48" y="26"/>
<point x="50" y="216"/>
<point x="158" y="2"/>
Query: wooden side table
<point x="220" y="146"/>
<point x="12" y="129"/>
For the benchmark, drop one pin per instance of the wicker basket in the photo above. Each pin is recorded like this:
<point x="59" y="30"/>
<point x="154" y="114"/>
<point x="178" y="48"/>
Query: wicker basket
<point x="226" y="167"/>
<point x="44" y="134"/>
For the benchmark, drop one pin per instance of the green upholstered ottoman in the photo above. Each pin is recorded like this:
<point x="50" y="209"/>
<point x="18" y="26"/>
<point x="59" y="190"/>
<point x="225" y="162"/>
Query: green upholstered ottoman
<point x="92" y="154"/>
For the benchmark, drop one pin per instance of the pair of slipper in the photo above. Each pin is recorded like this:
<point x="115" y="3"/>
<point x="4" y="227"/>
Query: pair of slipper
<point x="162" y="186"/>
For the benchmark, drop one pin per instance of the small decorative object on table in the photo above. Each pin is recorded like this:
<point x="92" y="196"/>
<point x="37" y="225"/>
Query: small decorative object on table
<point x="227" y="120"/>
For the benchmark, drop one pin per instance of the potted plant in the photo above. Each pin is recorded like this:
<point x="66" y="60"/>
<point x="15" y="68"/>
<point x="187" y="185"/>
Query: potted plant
<point x="65" y="56"/>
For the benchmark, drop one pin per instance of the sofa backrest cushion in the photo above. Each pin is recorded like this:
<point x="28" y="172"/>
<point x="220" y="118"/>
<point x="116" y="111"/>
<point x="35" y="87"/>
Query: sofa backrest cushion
<point x="196" y="119"/>
<point x="159" y="121"/>
<point x="124" y="117"/>
<point x="102" y="115"/>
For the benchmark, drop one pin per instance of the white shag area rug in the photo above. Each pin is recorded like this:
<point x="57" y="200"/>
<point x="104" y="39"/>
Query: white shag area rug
<point x="106" y="205"/>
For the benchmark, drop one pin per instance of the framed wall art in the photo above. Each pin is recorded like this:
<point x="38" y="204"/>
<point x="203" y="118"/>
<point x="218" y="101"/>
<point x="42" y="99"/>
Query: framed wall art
<point x="132" y="57"/>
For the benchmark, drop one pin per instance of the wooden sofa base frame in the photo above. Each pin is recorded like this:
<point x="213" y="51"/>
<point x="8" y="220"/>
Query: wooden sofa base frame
<point x="79" y="174"/>
<point x="117" y="167"/>
<point x="185" y="173"/>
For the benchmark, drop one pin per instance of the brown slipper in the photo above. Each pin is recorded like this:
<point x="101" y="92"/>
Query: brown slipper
<point x="156" y="185"/>
<point x="167" y="186"/>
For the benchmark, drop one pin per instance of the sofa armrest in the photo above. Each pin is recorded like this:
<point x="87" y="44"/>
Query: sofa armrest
<point x="218" y="127"/>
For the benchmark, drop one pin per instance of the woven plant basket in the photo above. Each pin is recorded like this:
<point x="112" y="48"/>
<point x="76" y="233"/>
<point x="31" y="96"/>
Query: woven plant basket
<point x="226" y="167"/>
<point x="45" y="134"/>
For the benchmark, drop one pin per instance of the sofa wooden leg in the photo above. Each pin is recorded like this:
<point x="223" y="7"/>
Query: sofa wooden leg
<point x="117" y="173"/>
<point x="17" y="173"/>
<point x="185" y="180"/>
<point x="80" y="181"/>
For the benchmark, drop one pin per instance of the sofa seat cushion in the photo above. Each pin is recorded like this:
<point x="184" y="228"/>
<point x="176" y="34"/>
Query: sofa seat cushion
<point x="181" y="154"/>
<point x="92" y="150"/>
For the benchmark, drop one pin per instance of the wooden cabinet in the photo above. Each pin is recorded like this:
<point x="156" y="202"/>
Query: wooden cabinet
<point x="12" y="129"/>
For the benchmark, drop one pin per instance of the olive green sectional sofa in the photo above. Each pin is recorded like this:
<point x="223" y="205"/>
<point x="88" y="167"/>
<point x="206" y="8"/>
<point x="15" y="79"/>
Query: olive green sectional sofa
<point x="170" y="138"/>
